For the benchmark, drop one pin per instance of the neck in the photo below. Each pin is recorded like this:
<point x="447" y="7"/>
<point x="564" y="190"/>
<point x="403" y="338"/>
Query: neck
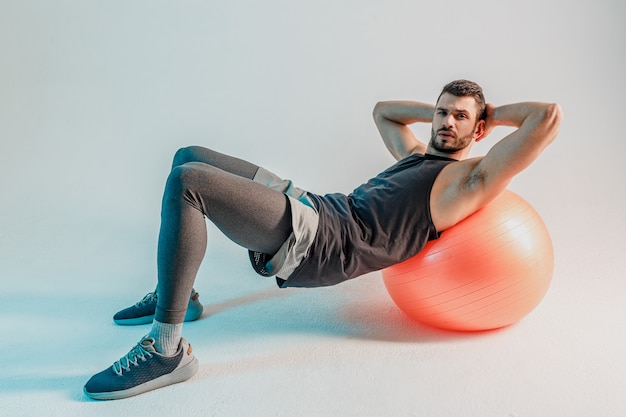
<point x="458" y="155"/>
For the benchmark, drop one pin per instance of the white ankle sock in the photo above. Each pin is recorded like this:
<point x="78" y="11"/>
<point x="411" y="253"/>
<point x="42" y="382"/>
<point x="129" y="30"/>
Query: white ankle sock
<point x="166" y="337"/>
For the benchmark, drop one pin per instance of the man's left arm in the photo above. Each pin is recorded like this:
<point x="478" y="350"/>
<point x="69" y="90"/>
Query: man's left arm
<point x="537" y="126"/>
<point x="466" y="186"/>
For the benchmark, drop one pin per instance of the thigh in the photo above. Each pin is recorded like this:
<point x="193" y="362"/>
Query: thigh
<point x="219" y="160"/>
<point x="250" y="214"/>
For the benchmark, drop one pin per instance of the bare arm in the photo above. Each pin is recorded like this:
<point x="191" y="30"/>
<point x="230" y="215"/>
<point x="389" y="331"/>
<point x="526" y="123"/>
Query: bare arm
<point x="392" y="119"/>
<point x="538" y="125"/>
<point x="468" y="185"/>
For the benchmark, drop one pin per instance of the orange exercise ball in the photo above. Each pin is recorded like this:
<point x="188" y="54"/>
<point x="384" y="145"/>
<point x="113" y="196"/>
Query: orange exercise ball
<point x="486" y="272"/>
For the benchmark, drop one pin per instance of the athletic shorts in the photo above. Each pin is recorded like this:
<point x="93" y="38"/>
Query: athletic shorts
<point x="304" y="221"/>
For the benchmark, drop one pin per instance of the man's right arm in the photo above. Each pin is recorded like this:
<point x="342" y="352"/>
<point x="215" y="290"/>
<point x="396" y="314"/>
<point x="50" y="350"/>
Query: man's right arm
<point x="392" y="119"/>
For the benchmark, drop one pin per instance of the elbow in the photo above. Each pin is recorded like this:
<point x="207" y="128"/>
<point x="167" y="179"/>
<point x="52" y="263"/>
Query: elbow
<point x="377" y="112"/>
<point x="382" y="110"/>
<point x="554" y="116"/>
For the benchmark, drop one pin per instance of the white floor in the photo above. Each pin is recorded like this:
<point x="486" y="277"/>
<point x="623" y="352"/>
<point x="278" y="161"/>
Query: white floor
<point x="344" y="351"/>
<point x="95" y="98"/>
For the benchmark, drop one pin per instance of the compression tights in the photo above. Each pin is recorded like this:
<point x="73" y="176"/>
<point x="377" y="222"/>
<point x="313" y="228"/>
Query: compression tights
<point x="204" y="183"/>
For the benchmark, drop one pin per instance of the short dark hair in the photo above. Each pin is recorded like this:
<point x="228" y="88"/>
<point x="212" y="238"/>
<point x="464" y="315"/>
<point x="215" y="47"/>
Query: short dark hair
<point x="465" y="88"/>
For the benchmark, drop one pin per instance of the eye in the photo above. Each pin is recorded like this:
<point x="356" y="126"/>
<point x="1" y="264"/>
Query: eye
<point x="461" y="116"/>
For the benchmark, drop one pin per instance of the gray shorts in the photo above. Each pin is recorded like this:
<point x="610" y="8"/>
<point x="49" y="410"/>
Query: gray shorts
<point x="304" y="221"/>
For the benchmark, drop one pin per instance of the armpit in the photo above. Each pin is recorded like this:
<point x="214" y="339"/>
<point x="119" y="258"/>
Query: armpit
<point x="475" y="178"/>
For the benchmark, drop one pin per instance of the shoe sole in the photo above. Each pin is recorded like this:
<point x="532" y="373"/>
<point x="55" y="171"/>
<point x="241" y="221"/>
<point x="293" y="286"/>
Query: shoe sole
<point x="135" y="321"/>
<point x="179" y="375"/>
<point x="192" y="314"/>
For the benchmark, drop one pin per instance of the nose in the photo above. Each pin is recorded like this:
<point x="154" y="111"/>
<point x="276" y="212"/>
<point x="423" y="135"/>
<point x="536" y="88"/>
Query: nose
<point x="448" y="121"/>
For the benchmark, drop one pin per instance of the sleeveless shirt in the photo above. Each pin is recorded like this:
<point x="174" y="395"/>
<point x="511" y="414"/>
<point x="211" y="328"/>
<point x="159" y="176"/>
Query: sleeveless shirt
<point x="382" y="222"/>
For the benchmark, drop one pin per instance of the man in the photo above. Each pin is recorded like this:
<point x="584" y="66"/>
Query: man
<point x="308" y="240"/>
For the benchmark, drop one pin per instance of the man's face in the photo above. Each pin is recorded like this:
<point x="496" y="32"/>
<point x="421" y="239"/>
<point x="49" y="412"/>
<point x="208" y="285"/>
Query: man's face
<point x="454" y="124"/>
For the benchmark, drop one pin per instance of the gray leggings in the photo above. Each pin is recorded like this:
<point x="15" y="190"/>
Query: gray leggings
<point x="204" y="183"/>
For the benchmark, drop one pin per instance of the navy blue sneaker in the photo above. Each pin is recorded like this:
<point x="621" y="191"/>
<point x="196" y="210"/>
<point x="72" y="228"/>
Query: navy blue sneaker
<point x="143" y="369"/>
<point x="142" y="312"/>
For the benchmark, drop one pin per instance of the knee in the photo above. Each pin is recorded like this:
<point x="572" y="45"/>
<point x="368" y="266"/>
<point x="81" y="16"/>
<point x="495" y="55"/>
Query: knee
<point x="182" y="156"/>
<point x="183" y="175"/>
<point x="186" y="155"/>
<point x="191" y="175"/>
<point x="184" y="183"/>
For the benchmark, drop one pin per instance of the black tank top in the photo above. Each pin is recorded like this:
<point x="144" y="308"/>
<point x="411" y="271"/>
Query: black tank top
<point x="382" y="222"/>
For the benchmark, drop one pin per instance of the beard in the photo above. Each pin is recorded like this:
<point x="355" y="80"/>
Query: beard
<point x="451" y="145"/>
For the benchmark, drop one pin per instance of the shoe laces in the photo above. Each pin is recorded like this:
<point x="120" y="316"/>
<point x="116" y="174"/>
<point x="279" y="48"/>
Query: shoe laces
<point x="147" y="299"/>
<point x="136" y="354"/>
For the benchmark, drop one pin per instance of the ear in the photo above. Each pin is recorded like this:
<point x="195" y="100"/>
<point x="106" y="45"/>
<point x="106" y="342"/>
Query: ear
<point x="479" y="131"/>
